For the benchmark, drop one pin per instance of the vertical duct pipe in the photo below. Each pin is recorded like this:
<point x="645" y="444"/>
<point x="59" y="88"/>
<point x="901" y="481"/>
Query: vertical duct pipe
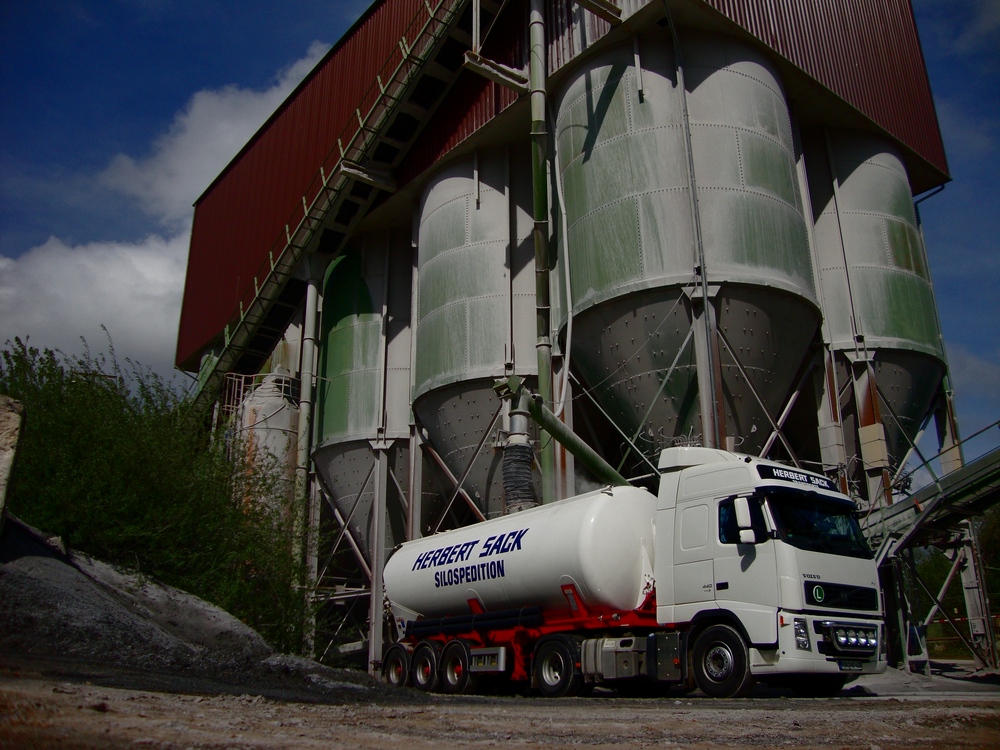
<point x="305" y="409"/>
<point x="539" y="172"/>
<point x="707" y="354"/>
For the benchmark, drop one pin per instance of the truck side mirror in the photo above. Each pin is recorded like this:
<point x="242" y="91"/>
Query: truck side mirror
<point x="742" y="506"/>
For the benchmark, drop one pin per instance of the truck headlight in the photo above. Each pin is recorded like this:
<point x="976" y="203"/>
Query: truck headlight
<point x="847" y="638"/>
<point x="801" y="635"/>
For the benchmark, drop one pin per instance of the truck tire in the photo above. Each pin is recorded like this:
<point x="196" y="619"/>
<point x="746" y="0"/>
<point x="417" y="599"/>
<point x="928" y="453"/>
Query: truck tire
<point x="555" y="667"/>
<point x="721" y="663"/>
<point x="396" y="666"/>
<point x="456" y="677"/>
<point x="424" y="673"/>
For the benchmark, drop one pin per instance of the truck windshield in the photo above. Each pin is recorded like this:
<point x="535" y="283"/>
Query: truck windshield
<point x="815" y="523"/>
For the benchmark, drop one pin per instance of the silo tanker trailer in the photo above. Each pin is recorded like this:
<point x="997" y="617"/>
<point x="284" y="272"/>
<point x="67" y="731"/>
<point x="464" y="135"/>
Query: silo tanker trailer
<point x="739" y="570"/>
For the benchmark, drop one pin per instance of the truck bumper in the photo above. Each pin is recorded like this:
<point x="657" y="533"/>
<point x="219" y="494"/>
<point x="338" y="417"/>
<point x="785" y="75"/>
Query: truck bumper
<point x="836" y="645"/>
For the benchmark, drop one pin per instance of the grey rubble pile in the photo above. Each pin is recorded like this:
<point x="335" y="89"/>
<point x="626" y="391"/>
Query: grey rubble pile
<point x="67" y="614"/>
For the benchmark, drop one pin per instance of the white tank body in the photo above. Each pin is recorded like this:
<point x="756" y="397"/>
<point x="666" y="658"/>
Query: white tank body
<point x="600" y="542"/>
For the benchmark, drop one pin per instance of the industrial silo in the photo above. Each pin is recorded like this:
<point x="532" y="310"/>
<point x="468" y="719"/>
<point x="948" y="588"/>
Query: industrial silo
<point x="266" y="425"/>
<point x="362" y="414"/>
<point x="878" y="301"/>
<point x="662" y="210"/>
<point x="474" y="314"/>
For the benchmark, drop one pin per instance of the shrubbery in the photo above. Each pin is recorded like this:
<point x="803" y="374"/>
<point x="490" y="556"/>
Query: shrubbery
<point x="116" y="464"/>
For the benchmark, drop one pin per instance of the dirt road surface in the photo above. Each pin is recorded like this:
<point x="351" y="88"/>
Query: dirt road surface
<point x="39" y="712"/>
<point x="95" y="657"/>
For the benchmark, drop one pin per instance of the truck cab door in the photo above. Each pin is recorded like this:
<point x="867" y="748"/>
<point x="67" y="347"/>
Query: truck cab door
<point x="746" y="575"/>
<point x="694" y="551"/>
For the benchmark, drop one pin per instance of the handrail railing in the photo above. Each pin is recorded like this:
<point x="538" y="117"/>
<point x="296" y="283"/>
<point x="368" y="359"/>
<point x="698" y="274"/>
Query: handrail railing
<point x="924" y="463"/>
<point x="352" y="145"/>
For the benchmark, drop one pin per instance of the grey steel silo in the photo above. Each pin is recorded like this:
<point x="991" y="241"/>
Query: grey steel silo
<point x="878" y="301"/>
<point x="362" y="416"/>
<point x="474" y="312"/>
<point x="644" y="249"/>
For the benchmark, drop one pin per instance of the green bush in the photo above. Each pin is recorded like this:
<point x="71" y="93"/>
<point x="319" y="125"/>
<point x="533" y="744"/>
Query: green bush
<point x="116" y="464"/>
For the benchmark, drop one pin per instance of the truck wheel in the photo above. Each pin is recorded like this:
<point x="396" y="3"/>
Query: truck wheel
<point x="396" y="666"/>
<point x="424" y="668"/>
<point x="721" y="663"/>
<point x="455" y="674"/>
<point x="555" y="668"/>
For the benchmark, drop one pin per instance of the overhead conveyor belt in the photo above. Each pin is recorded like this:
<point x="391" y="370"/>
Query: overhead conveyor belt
<point x="931" y="515"/>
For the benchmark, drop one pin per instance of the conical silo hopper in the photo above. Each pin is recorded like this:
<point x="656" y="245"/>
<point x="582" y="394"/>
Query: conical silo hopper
<point x="639" y="242"/>
<point x="363" y="391"/>
<point x="878" y="301"/>
<point x="474" y="312"/>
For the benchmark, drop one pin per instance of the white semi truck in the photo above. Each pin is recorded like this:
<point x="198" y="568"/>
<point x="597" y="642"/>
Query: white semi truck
<point x="739" y="570"/>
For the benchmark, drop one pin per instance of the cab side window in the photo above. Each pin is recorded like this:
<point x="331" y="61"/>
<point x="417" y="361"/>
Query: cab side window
<point x="729" y="530"/>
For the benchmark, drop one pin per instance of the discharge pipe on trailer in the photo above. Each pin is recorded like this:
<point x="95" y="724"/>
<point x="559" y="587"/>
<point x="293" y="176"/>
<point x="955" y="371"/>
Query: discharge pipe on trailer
<point x="513" y="388"/>
<point x="518" y="458"/>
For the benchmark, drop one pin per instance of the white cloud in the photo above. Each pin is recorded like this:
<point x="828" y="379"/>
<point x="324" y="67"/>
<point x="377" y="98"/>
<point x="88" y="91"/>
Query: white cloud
<point x="975" y="376"/>
<point x="55" y="294"/>
<point x="203" y="138"/>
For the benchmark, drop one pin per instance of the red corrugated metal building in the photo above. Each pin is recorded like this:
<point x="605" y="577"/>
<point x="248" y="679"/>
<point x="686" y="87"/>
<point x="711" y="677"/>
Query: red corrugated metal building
<point x="866" y="54"/>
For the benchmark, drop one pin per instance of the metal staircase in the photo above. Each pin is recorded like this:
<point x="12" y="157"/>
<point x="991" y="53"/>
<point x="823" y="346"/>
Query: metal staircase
<point x="356" y="173"/>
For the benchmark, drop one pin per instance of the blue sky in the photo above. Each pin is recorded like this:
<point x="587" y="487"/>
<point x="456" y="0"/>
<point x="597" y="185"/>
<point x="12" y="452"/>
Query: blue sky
<point x="118" y="113"/>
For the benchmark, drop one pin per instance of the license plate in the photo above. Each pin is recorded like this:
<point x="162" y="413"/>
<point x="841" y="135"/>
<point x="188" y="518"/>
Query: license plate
<point x="851" y="665"/>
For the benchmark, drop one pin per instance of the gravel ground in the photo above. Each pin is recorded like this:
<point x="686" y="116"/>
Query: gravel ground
<point x="45" y="713"/>
<point x="91" y="657"/>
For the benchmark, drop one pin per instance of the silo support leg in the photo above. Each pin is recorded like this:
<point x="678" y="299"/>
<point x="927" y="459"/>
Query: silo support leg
<point x="974" y="644"/>
<point x="977" y="605"/>
<point x="775" y="425"/>
<point x="949" y="442"/>
<point x="376" y="610"/>
<point x="871" y="435"/>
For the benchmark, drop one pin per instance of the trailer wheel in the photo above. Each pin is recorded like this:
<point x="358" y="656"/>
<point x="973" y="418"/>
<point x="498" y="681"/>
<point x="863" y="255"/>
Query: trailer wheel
<point x="455" y="674"/>
<point x="555" y="667"/>
<point x="396" y="666"/>
<point x="722" y="663"/>
<point x="424" y="668"/>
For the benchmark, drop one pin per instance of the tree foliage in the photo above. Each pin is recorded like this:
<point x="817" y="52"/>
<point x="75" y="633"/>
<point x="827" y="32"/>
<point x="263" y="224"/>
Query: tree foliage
<point x="117" y="465"/>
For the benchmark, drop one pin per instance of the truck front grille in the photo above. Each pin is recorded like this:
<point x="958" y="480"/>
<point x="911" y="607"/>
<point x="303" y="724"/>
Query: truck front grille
<point x="837" y="596"/>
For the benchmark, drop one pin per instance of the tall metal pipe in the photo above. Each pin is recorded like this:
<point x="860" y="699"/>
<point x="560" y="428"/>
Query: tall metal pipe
<point x="709" y="367"/>
<point x="305" y="408"/>
<point x="539" y="174"/>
